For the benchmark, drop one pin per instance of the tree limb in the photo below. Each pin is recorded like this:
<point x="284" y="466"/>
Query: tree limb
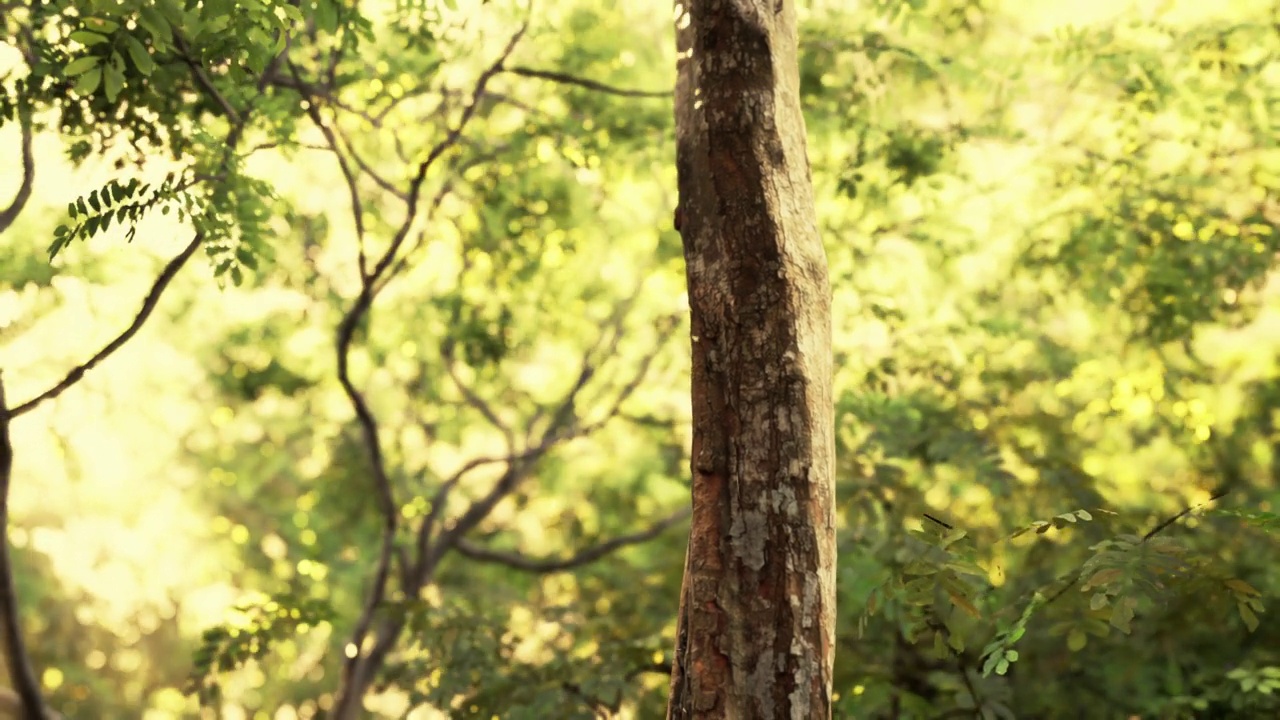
<point x="519" y="561"/>
<point x="9" y="214"/>
<point x="567" y="79"/>
<point x="148" y="305"/>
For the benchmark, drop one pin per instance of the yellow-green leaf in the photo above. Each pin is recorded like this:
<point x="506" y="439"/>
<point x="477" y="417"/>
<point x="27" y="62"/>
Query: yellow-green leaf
<point x="1076" y="640"/>
<point x="1242" y="587"/>
<point x="102" y="25"/>
<point x="86" y="38"/>
<point x="1247" y="615"/>
<point x="139" y="55"/>
<point x="81" y="65"/>
<point x="113" y="82"/>
<point x="89" y="81"/>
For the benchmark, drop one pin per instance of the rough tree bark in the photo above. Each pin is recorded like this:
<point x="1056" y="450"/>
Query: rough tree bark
<point x="757" y="610"/>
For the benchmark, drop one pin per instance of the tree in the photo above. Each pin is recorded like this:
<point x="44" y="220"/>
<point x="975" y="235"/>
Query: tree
<point x="755" y="637"/>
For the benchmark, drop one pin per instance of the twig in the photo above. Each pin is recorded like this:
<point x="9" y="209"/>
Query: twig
<point x="367" y="169"/>
<point x="567" y="79"/>
<point x="357" y="207"/>
<point x="1215" y="495"/>
<point x="469" y="394"/>
<point x="519" y="561"/>
<point x="20" y="670"/>
<point x="206" y="83"/>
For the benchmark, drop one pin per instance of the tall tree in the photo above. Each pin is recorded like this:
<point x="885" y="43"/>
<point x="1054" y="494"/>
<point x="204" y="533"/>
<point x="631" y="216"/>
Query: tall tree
<point x="757" y="610"/>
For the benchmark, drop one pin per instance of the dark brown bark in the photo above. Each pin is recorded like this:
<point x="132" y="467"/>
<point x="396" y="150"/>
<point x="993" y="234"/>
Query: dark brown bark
<point x="757" y="610"/>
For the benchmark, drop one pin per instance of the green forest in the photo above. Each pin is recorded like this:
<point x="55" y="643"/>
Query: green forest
<point x="338" y="330"/>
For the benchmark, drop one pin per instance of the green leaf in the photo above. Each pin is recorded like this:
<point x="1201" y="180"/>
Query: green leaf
<point x="153" y="22"/>
<point x="1076" y="640"/>
<point x="326" y="16"/>
<point x="114" y="82"/>
<point x="171" y="10"/>
<point x="139" y="55"/>
<point x="1248" y="616"/>
<point x="1237" y="585"/>
<point x="88" y="82"/>
<point x="88" y="39"/>
<point x="102" y="25"/>
<point x="81" y="65"/>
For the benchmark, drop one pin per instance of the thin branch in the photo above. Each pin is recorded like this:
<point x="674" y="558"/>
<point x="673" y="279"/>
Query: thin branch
<point x="422" y="568"/>
<point x="148" y="305"/>
<point x="469" y="394"/>
<point x="448" y="141"/>
<point x="567" y="79"/>
<point x="367" y="169"/>
<point x="206" y="83"/>
<point x="1216" y="495"/>
<point x="519" y="561"/>
<point x="20" y="670"/>
<point x="9" y="214"/>
<point x="1160" y="527"/>
<point x="564" y="426"/>
<point x="357" y="207"/>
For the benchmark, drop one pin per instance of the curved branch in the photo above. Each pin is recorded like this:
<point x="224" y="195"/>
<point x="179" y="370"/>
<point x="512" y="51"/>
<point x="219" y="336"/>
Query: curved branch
<point x="148" y="305"/>
<point x="519" y="561"/>
<point x="9" y="214"/>
<point x="567" y="79"/>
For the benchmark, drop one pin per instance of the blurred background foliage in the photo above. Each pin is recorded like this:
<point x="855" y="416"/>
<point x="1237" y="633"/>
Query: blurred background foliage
<point x="1052" y="230"/>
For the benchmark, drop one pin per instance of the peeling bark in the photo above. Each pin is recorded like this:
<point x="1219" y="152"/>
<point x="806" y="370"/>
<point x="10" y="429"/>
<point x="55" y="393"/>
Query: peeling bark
<point x="757" y="610"/>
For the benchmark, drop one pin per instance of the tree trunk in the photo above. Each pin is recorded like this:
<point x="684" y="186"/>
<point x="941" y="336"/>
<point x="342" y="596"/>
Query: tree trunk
<point x="757" y="611"/>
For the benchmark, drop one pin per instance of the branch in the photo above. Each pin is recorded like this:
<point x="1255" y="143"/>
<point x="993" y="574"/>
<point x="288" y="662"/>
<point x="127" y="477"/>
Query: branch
<point x="1160" y="527"/>
<point x="9" y="214"/>
<point x="1215" y="495"/>
<point x="358" y="670"/>
<point x="148" y="305"/>
<point x="448" y="141"/>
<point x="518" y="561"/>
<point x="20" y="670"/>
<point x="357" y="208"/>
<point x="206" y="83"/>
<point x="566" y="79"/>
<point x="469" y="394"/>
<point x="564" y="425"/>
